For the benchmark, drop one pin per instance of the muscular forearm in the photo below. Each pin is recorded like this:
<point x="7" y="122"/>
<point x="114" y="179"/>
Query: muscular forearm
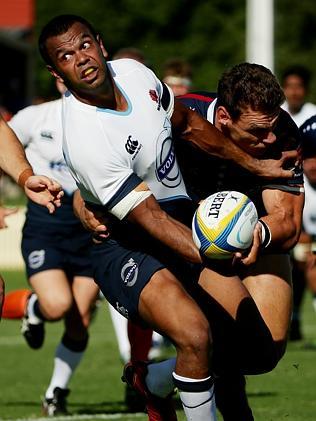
<point x="284" y="232"/>
<point x="167" y="230"/>
<point x="12" y="156"/>
<point x="284" y="217"/>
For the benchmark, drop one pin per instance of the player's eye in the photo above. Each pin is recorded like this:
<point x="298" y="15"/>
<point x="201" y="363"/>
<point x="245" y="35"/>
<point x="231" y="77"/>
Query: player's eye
<point x="85" y="45"/>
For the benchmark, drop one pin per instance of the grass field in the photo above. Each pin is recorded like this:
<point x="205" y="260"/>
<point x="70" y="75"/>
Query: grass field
<point x="288" y="393"/>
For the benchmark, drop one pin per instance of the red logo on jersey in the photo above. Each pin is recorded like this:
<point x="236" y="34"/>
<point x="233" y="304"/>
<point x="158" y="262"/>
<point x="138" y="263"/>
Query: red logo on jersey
<point x="154" y="96"/>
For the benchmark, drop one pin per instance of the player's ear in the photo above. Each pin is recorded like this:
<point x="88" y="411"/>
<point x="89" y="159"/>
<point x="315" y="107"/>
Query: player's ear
<point x="223" y="115"/>
<point x="104" y="52"/>
<point x="54" y="73"/>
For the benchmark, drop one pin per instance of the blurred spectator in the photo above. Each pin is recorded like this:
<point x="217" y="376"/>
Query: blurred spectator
<point x="295" y="82"/>
<point x="177" y="74"/>
<point x="130" y="52"/>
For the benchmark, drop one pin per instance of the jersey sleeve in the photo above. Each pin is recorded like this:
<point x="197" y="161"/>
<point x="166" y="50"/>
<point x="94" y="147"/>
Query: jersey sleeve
<point x="198" y="101"/>
<point x="21" y="124"/>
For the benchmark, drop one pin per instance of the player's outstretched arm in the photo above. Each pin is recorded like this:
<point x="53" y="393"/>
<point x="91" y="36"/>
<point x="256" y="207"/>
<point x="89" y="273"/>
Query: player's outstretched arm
<point x="190" y="126"/>
<point x="12" y="156"/>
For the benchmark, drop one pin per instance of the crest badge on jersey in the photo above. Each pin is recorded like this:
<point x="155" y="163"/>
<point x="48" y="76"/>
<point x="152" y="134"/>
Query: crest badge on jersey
<point x="155" y="97"/>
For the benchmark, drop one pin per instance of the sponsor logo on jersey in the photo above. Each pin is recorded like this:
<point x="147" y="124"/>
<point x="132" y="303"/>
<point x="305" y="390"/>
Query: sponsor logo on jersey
<point x="132" y="146"/>
<point x="36" y="259"/>
<point x="155" y="97"/>
<point x="129" y="273"/>
<point x="47" y="135"/>
<point x="121" y="309"/>
<point x="167" y="170"/>
<point x="58" y="165"/>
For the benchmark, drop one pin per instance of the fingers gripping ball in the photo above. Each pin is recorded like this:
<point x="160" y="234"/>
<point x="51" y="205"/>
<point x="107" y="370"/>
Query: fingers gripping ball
<point x="223" y="224"/>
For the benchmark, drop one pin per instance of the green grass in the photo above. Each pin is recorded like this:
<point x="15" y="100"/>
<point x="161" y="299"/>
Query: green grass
<point x="288" y="393"/>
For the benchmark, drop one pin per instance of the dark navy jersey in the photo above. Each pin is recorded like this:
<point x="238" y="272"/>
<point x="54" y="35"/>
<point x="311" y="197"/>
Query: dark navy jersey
<point x="204" y="174"/>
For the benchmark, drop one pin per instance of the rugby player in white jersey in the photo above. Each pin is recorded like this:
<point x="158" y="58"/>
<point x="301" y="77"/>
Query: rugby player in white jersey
<point x="56" y="251"/>
<point x="117" y="143"/>
<point x="40" y="189"/>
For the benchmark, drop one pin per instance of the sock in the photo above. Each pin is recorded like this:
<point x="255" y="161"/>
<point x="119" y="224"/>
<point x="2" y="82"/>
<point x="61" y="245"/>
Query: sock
<point x="65" y="362"/>
<point x="33" y="311"/>
<point x="140" y="340"/>
<point x="197" y="397"/>
<point x="120" y="328"/>
<point x="159" y="379"/>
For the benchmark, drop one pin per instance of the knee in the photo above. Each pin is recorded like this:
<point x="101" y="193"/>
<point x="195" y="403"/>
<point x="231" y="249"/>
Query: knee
<point x="266" y="358"/>
<point x="195" y="339"/>
<point x="56" y="309"/>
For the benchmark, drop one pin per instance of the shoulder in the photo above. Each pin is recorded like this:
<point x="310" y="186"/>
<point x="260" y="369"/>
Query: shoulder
<point x="126" y="65"/>
<point x="198" y="101"/>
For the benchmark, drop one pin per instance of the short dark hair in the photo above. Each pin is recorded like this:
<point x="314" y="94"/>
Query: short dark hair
<point x="249" y="85"/>
<point x="58" y="26"/>
<point x="297" y="70"/>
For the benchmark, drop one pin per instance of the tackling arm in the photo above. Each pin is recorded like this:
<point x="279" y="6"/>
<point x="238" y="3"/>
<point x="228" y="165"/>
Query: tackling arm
<point x="190" y="126"/>
<point x="284" y="217"/>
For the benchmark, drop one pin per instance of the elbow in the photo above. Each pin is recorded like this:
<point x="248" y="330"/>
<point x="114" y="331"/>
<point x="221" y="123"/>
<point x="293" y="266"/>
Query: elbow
<point x="292" y="233"/>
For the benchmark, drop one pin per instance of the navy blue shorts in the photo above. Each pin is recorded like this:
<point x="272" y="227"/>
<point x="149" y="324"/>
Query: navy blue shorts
<point x="57" y="247"/>
<point x="121" y="274"/>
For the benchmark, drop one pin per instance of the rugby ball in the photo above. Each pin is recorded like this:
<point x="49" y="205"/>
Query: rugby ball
<point x="223" y="224"/>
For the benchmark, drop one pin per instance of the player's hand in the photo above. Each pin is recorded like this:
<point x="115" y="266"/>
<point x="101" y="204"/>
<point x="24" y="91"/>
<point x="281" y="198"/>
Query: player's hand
<point x="254" y="251"/>
<point x="4" y="212"/>
<point x="93" y="221"/>
<point x="44" y="191"/>
<point x="273" y="168"/>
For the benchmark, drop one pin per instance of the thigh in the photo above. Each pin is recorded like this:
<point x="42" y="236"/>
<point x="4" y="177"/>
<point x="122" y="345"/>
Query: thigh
<point x="269" y="282"/>
<point x="227" y="291"/>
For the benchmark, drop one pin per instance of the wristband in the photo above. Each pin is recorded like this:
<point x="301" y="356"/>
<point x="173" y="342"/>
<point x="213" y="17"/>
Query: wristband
<point x="25" y="174"/>
<point x="265" y="234"/>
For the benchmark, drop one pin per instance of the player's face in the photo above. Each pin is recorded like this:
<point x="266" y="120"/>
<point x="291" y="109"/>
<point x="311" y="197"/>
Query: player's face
<point x="78" y="60"/>
<point x="260" y="128"/>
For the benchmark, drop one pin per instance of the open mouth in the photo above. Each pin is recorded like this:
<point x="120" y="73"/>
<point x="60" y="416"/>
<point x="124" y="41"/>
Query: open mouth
<point x="87" y="72"/>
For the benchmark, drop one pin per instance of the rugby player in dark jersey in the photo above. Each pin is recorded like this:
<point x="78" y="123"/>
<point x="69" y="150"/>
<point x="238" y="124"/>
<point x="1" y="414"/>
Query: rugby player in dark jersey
<point x="249" y="98"/>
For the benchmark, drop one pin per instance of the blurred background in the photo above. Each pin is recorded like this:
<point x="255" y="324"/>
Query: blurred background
<point x="210" y="35"/>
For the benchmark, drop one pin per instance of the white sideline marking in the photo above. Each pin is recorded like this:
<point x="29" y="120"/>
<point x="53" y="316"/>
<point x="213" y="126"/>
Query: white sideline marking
<point x="84" y="417"/>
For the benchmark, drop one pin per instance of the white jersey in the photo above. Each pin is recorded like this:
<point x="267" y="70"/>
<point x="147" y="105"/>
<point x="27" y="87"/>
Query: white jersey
<point x="110" y="152"/>
<point x="39" y="129"/>
<point x="309" y="212"/>
<point x="307" y="111"/>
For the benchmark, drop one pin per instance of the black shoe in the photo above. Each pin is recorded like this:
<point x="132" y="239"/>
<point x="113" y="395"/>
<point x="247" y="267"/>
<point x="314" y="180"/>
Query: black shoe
<point x="56" y="405"/>
<point x="33" y="334"/>
<point x="133" y="401"/>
